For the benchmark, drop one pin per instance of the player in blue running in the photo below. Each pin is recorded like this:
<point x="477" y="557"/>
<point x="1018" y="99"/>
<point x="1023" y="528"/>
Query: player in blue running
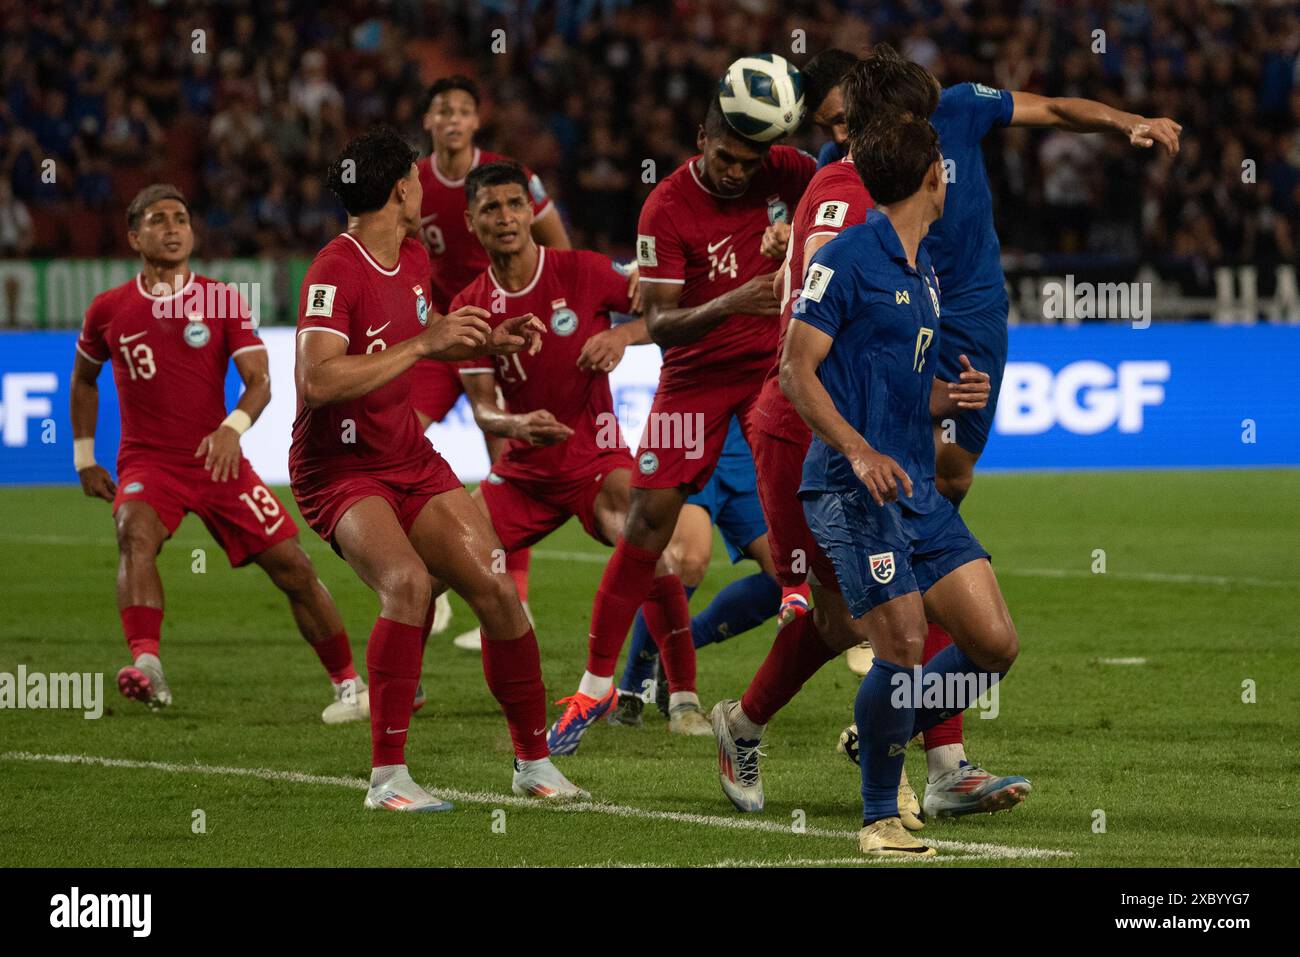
<point x="730" y="502"/>
<point x="967" y="260"/>
<point x="858" y="367"/>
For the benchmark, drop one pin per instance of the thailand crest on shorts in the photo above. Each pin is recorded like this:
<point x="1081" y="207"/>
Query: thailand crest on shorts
<point x="421" y="305"/>
<point x="564" y="321"/>
<point x="882" y="567"/>
<point x="777" y="210"/>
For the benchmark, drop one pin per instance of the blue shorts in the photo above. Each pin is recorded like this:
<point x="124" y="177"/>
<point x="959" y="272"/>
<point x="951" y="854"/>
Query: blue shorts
<point x="883" y="552"/>
<point x="982" y="338"/>
<point x="731" y="496"/>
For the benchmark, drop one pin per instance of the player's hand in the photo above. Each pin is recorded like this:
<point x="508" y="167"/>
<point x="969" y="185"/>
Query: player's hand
<point x="96" y="483"/>
<point x="882" y="476"/>
<point x="465" y="329"/>
<point x="517" y="334"/>
<point x="541" y="428"/>
<point x="972" y="390"/>
<point x="755" y="297"/>
<point x="775" y="239"/>
<point x="603" y="351"/>
<point x="634" y="288"/>
<point x="221" y="453"/>
<point x="1146" y="133"/>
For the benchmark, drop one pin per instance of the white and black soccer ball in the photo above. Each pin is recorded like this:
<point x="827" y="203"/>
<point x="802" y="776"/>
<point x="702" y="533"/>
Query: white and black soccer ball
<point x="762" y="97"/>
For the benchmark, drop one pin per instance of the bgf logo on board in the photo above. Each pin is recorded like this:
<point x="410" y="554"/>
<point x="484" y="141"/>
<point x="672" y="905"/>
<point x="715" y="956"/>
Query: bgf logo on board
<point x="24" y="396"/>
<point x="1084" y="397"/>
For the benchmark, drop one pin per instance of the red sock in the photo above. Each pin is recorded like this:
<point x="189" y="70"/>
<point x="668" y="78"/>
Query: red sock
<point x="623" y="588"/>
<point x="517" y="568"/>
<point x="668" y="617"/>
<point x="796" y="655"/>
<point x="950" y="730"/>
<point x="393" y="658"/>
<point x="514" y="676"/>
<point x="142" y="626"/>
<point x="335" y="653"/>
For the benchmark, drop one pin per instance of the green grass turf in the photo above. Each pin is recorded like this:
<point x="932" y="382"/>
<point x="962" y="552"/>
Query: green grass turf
<point x="1185" y="772"/>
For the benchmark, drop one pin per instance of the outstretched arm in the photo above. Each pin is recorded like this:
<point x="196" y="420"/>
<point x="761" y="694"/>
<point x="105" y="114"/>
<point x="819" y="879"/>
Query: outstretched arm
<point x="671" y="325"/>
<point x="1088" y="116"/>
<point x="536" y="428"/>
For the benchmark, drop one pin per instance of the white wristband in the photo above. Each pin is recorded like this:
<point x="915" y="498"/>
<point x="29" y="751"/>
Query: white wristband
<point x="83" y="453"/>
<point x="239" y="420"/>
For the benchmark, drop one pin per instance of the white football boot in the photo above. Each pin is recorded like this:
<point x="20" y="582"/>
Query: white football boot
<point x="887" y="838"/>
<point x="688" y="718"/>
<point x="859" y="658"/>
<point x="391" y="789"/>
<point x="441" y="615"/>
<point x="143" y="681"/>
<point x="351" y="703"/>
<point x="542" y="779"/>
<point x="472" y="640"/>
<point x="738" y="770"/>
<point x="969" y="789"/>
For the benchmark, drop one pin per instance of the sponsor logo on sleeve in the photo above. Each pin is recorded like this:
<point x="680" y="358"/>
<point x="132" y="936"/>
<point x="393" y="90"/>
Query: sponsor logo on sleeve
<point x="831" y="213"/>
<point x="814" y="285"/>
<point x="320" y="299"/>
<point x="982" y="90"/>
<point x="645" y="251"/>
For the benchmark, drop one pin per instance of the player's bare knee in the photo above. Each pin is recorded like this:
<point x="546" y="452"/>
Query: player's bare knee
<point x="691" y="568"/>
<point x="405" y="591"/>
<point x="295" y="575"/>
<point x="138" y="540"/>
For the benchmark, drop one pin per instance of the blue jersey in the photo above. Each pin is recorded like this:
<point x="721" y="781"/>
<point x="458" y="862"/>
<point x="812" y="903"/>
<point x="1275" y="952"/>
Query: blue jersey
<point x="963" y="243"/>
<point x="883" y="316"/>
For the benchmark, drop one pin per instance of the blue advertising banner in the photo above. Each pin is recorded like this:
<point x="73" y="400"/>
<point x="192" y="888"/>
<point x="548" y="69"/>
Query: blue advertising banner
<point x="1088" y="397"/>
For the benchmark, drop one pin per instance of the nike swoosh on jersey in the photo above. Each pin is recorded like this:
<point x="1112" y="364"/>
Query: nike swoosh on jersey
<point x="713" y="247"/>
<point x="134" y="337"/>
<point x="375" y="332"/>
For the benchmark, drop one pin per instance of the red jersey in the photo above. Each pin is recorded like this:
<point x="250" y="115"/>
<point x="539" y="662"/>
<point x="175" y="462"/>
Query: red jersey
<point x="573" y="292"/>
<point x="347" y="293"/>
<point x="169" y="362"/>
<point x="709" y="244"/>
<point x="455" y="252"/>
<point x="834" y="201"/>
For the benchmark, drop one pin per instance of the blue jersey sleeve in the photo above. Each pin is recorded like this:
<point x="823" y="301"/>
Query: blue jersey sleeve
<point x="830" y="153"/>
<point x="980" y="107"/>
<point x="827" y="295"/>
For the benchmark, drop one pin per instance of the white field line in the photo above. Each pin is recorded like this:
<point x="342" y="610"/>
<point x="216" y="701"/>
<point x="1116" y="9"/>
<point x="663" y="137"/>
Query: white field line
<point x="971" y="850"/>
<point x="601" y="557"/>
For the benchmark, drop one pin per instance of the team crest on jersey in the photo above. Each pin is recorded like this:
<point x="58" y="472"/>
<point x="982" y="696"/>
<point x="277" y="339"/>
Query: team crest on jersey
<point x="882" y="567"/>
<point x="777" y="210"/>
<point x="197" y="334"/>
<point x="133" y="488"/>
<point x="648" y="463"/>
<point x="564" y="321"/>
<point x="421" y="305"/>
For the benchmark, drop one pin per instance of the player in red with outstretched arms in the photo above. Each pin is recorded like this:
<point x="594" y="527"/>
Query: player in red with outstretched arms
<point x="170" y="335"/>
<point x="707" y="293"/>
<point x="452" y="119"/>
<point x="371" y="485"/>
<point x="566" y="456"/>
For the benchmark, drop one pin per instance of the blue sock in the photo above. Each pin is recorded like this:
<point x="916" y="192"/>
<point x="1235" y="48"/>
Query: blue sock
<point x="642" y="653"/>
<point x="883" y="732"/>
<point x="975" y="680"/>
<point x="740" y="606"/>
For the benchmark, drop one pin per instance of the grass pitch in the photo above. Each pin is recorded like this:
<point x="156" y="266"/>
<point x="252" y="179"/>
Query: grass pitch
<point x="1201" y="583"/>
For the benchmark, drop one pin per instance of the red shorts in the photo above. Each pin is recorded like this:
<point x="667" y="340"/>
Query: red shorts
<point x="242" y="514"/>
<point x="323" y="504"/>
<point x="524" y="511"/>
<point x="778" y="463"/>
<point x="687" y="426"/>
<point x="435" y="388"/>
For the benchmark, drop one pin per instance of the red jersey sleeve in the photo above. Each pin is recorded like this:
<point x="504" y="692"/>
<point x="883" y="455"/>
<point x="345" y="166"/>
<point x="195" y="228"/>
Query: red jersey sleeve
<point x="537" y="194"/>
<point x="660" y="251"/>
<point x="606" y="280"/>
<point x="92" y="343"/>
<point x="325" y="302"/>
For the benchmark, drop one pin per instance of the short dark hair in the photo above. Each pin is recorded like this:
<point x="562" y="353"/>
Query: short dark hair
<point x="892" y="154"/>
<point x="822" y="74"/>
<point x="147" y="197"/>
<point x="885" y="82"/>
<point x="364" y="174"/>
<point x="446" y="84"/>
<point x="716" y="125"/>
<point x="499" y="173"/>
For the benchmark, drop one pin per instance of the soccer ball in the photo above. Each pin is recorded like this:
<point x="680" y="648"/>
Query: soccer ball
<point x="762" y="97"/>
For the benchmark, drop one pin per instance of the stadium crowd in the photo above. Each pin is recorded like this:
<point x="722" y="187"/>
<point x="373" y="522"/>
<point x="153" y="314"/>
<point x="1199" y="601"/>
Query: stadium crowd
<point x="243" y="114"/>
